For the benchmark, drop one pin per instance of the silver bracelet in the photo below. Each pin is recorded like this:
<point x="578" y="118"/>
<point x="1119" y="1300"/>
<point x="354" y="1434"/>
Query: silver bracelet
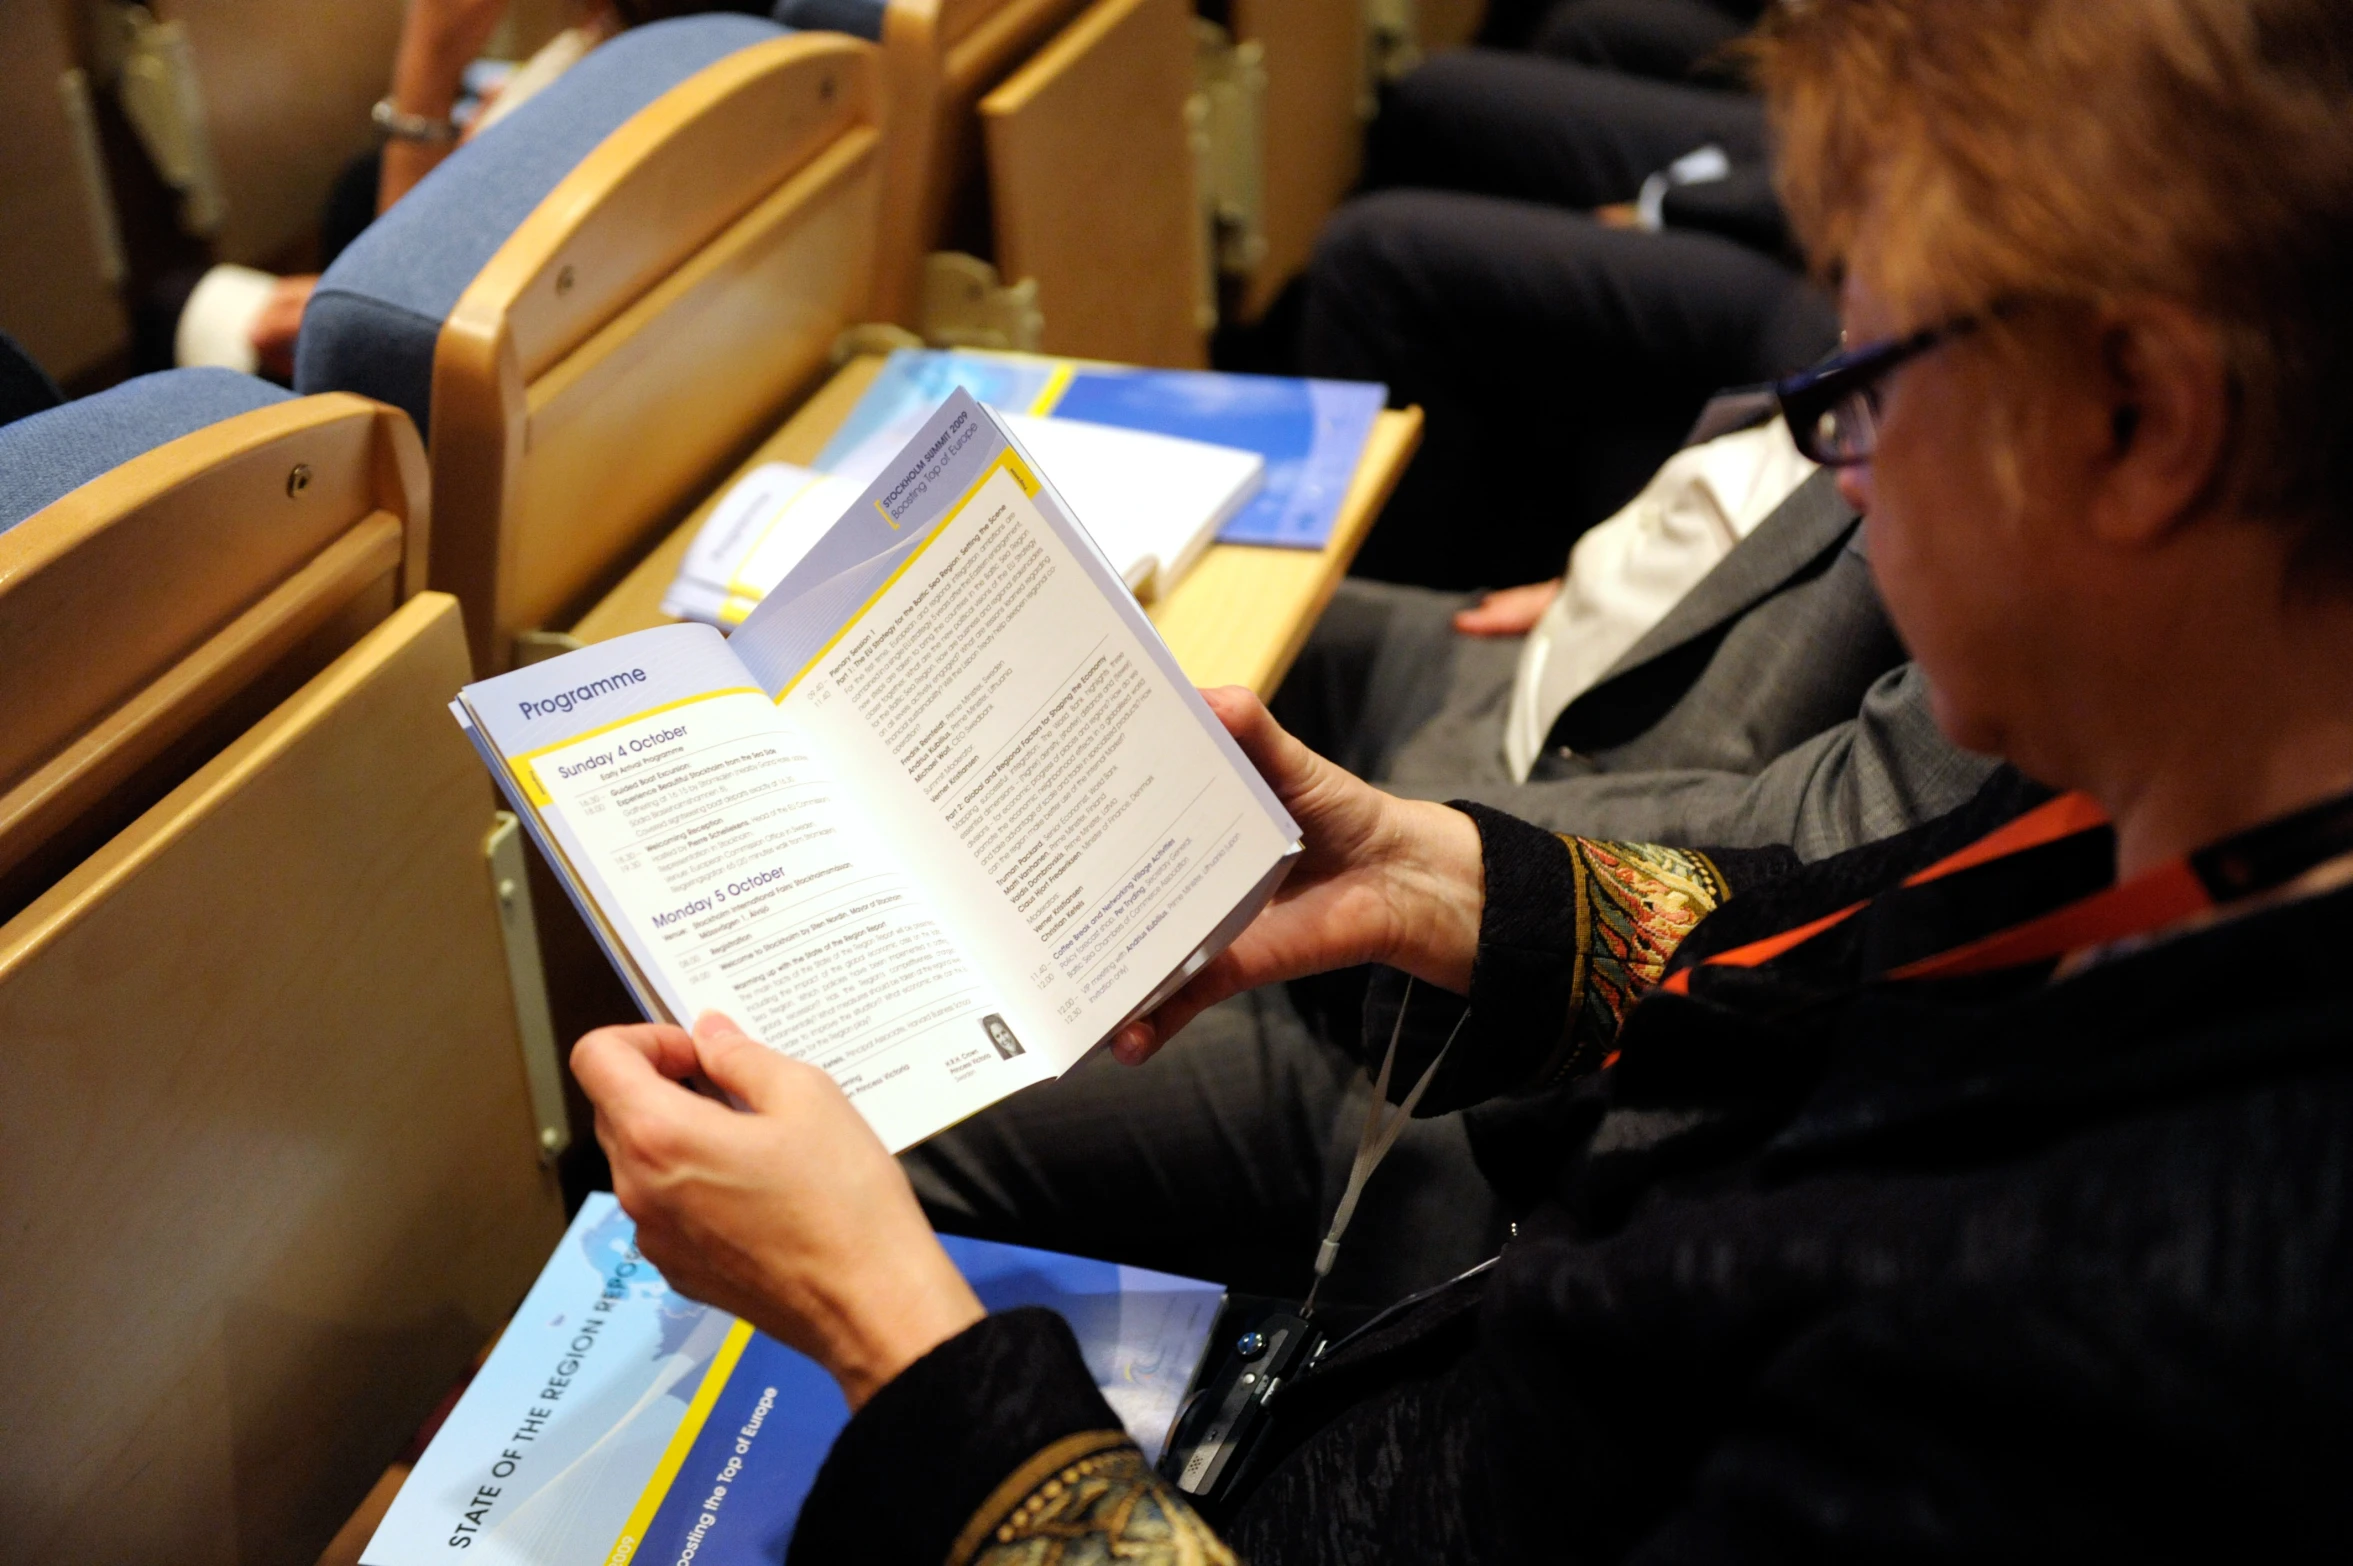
<point x="401" y="125"/>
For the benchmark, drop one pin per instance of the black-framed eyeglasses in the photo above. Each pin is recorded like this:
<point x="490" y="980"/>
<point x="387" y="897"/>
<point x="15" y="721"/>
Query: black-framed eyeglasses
<point x="1833" y="408"/>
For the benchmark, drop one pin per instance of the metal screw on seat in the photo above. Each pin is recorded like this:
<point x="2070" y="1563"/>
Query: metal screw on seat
<point x="298" y="480"/>
<point x="564" y="281"/>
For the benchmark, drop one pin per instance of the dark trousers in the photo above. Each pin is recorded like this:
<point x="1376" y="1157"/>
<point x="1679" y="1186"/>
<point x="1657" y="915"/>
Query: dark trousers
<point x="1491" y="123"/>
<point x="1653" y="37"/>
<point x="1673" y="40"/>
<point x="1223" y="1157"/>
<point x="1558" y="361"/>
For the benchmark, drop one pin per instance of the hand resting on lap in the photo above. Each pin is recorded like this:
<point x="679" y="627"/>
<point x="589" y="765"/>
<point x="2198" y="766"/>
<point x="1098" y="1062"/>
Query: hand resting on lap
<point x="1508" y="611"/>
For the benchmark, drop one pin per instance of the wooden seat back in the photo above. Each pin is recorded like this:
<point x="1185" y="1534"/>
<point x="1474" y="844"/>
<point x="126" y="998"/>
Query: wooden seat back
<point x="151" y="614"/>
<point x="653" y="317"/>
<point x="268" y="1173"/>
<point x="940" y="59"/>
<point x="1316" y="91"/>
<point x="1091" y="179"/>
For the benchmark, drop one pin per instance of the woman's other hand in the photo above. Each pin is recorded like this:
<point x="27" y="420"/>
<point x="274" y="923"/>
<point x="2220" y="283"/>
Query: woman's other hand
<point x="1512" y="611"/>
<point x="274" y="330"/>
<point x="1381" y="879"/>
<point x="788" y="1213"/>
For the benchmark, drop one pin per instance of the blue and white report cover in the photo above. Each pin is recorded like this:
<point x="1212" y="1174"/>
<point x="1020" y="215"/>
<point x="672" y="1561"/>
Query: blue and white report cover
<point x="618" y="1421"/>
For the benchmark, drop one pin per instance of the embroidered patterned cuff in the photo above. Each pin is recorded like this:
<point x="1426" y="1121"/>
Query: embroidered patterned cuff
<point x="1574" y="932"/>
<point x="1086" y="1499"/>
<point x="1635" y="904"/>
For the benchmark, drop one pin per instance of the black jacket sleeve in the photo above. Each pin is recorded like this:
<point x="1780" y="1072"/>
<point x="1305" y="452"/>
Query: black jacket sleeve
<point x="1574" y="931"/>
<point x="992" y="1442"/>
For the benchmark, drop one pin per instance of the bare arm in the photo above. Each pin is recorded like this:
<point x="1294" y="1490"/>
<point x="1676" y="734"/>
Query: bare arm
<point x="437" y="40"/>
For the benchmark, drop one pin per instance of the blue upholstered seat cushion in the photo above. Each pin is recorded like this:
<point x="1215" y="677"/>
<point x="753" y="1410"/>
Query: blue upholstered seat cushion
<point x="371" y="325"/>
<point x="46" y="456"/>
<point x="862" y="18"/>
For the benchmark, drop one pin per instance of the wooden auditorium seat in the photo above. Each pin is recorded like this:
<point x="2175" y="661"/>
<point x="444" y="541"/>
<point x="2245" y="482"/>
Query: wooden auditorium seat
<point x="940" y="59"/>
<point x="1316" y="94"/>
<point x="270" y="1166"/>
<point x="128" y="621"/>
<point x="592" y="308"/>
<point x="1088" y="187"/>
<point x="1091" y="182"/>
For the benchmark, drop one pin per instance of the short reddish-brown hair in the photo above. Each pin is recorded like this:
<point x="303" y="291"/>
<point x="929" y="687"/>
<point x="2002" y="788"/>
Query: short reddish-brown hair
<point x="2097" y="150"/>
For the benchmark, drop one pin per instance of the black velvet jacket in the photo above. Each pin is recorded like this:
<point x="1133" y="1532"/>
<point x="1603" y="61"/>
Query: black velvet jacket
<point x="1986" y="1269"/>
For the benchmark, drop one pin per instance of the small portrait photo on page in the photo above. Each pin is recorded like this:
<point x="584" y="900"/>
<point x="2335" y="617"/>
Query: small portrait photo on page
<point x="1001" y="1035"/>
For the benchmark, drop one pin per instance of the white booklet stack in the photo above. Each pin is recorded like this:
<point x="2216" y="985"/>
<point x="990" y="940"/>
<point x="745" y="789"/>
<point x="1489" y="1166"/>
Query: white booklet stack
<point x="1151" y="503"/>
<point x="939" y="817"/>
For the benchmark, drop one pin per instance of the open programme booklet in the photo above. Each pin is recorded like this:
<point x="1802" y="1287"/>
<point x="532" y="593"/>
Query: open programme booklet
<point x="939" y="817"/>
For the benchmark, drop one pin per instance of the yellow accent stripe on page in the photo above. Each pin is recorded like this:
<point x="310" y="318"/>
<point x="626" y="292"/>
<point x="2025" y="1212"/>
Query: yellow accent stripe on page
<point x="527" y="774"/>
<point x="698" y="1412"/>
<point x="1010" y="461"/>
<point x="1065" y="370"/>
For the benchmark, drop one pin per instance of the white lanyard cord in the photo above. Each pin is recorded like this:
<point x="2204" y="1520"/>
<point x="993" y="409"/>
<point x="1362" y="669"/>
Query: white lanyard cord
<point x="1380" y="1133"/>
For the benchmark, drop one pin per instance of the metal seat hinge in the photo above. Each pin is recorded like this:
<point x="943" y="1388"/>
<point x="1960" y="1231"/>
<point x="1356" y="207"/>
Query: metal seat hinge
<point x="965" y="305"/>
<point x="1226" y="121"/>
<point x="535" y="1024"/>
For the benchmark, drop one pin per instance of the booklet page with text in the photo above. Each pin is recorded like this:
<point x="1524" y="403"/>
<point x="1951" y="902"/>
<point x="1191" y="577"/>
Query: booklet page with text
<point x="938" y="818"/>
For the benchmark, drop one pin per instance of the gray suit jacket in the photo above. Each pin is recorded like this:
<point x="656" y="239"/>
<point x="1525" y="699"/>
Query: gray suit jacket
<point x="1772" y="705"/>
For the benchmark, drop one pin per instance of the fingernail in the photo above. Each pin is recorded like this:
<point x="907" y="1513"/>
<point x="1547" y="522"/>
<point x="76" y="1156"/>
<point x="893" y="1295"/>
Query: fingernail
<point x="716" y="1025"/>
<point x="1132" y="1042"/>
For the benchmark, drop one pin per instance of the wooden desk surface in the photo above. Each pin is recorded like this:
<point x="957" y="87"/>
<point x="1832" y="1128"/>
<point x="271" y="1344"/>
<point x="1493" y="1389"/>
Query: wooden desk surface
<point x="1238" y="618"/>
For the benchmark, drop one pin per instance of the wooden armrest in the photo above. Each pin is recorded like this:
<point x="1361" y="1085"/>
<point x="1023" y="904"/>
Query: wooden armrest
<point x="78" y="777"/>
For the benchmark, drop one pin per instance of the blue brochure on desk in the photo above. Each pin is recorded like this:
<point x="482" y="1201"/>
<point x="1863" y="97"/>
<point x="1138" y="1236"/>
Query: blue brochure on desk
<point x="618" y="1421"/>
<point x="1310" y="432"/>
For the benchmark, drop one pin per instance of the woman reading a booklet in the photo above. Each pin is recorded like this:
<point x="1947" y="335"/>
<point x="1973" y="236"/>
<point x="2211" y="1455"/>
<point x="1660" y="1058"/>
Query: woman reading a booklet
<point x="1980" y="1193"/>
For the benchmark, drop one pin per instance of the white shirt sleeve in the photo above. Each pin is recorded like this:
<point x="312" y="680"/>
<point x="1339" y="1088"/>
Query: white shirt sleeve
<point x="1626" y="573"/>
